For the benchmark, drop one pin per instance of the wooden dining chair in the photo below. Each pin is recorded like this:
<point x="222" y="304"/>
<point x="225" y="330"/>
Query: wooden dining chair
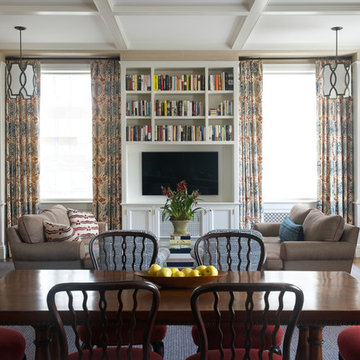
<point x="228" y="250"/>
<point x="12" y="345"/>
<point x="262" y="304"/>
<point x="234" y="250"/>
<point x="104" y="306"/>
<point x="127" y="250"/>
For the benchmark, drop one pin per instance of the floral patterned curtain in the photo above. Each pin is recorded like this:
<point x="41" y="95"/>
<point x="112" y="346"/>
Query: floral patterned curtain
<point x="105" y="88"/>
<point x="335" y="152"/>
<point x="22" y="152"/>
<point x="250" y="139"/>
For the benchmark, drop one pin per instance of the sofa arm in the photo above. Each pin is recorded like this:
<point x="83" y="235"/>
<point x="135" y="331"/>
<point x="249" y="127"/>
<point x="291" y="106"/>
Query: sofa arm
<point x="103" y="226"/>
<point x="268" y="229"/>
<point x="49" y="251"/>
<point x="317" y="250"/>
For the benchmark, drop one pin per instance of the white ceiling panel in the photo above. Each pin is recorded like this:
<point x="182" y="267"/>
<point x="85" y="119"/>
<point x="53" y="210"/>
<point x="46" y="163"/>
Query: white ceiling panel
<point x="53" y="29"/>
<point x="175" y="32"/>
<point x="304" y="33"/>
<point x="46" y="2"/>
<point x="312" y="2"/>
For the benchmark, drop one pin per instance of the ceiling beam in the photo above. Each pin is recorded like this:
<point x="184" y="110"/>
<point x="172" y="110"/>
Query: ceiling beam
<point x="112" y="24"/>
<point x="245" y="26"/>
<point x="46" y="9"/>
<point x="30" y="47"/>
<point x="312" y="9"/>
<point x="178" y="9"/>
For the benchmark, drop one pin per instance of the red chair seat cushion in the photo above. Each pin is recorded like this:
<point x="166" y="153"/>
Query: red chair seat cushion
<point x="136" y="354"/>
<point x="157" y="334"/>
<point x="12" y="345"/>
<point x="349" y="343"/>
<point x="239" y="354"/>
<point x="212" y="333"/>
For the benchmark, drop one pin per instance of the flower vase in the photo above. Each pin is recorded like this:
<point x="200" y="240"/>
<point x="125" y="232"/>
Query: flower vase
<point x="180" y="226"/>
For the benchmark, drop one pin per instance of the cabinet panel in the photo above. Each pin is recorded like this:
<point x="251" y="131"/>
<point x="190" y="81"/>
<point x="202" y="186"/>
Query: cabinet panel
<point x="224" y="217"/>
<point x="138" y="219"/>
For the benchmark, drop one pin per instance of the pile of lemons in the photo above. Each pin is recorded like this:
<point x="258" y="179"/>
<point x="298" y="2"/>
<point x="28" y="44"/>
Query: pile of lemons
<point x="202" y="270"/>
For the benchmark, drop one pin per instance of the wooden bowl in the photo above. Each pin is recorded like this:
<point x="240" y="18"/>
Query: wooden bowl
<point x="180" y="282"/>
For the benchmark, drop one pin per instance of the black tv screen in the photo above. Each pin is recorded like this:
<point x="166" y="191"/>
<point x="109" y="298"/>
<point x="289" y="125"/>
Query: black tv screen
<point x="198" y="169"/>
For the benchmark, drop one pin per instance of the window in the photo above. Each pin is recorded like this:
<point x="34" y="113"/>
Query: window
<point x="289" y="133"/>
<point x="65" y="133"/>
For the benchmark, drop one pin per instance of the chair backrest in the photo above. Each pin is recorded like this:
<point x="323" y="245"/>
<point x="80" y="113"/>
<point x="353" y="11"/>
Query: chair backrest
<point x="123" y="250"/>
<point x="243" y="304"/>
<point x="105" y="306"/>
<point x="228" y="250"/>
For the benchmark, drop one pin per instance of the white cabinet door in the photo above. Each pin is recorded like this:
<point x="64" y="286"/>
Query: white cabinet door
<point x="220" y="217"/>
<point x="137" y="218"/>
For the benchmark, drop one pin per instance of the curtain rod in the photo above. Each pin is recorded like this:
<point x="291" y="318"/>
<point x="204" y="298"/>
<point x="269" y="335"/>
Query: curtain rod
<point x="293" y="58"/>
<point x="62" y="58"/>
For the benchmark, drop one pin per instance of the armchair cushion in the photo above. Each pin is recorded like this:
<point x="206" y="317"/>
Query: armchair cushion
<point x="289" y="231"/>
<point x="59" y="232"/>
<point x="84" y="223"/>
<point x="298" y="213"/>
<point x="31" y="226"/>
<point x="320" y="227"/>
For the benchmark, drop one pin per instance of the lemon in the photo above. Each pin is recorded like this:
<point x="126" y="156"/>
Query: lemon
<point x="187" y="271"/>
<point x="164" y="272"/>
<point x="211" y="271"/>
<point x="154" y="268"/>
<point x="179" y="274"/>
<point x="201" y="269"/>
<point x="194" y="273"/>
<point x="174" y="270"/>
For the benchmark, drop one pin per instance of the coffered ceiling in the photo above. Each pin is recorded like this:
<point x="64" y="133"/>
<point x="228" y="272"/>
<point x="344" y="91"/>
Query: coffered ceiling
<point x="117" y="25"/>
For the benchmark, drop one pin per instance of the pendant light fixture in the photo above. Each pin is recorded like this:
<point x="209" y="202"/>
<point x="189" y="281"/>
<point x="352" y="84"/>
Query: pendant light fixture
<point x="337" y="77"/>
<point x="20" y="76"/>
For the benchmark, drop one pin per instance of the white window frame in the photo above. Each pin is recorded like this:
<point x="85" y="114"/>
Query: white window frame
<point x="66" y="68"/>
<point x="273" y="204"/>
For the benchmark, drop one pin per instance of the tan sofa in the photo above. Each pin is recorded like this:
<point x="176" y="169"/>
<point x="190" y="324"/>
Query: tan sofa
<point x="30" y="250"/>
<point x="328" y="244"/>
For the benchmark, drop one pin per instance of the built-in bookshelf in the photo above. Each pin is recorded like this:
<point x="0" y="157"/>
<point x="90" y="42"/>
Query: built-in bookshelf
<point x="181" y="107"/>
<point x="192" y="102"/>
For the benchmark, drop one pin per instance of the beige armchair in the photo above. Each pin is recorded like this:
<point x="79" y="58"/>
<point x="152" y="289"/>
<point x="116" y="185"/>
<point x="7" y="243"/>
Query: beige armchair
<point x="30" y="250"/>
<point x="329" y="244"/>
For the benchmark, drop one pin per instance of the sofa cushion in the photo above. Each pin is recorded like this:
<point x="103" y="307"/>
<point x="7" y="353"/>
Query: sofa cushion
<point x="298" y="213"/>
<point x="289" y="231"/>
<point x="59" y="232"/>
<point x="320" y="227"/>
<point x="83" y="223"/>
<point x="31" y="226"/>
<point x="273" y="260"/>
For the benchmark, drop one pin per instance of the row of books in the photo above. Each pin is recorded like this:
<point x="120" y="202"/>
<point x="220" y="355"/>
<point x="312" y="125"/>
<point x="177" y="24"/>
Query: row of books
<point x="178" y="108"/>
<point x="221" y="132"/>
<point x="179" y="133"/>
<point x="223" y="109"/>
<point x="190" y="82"/>
<point x="223" y="81"/>
<point x="138" y="133"/>
<point x="138" y="108"/>
<point x="138" y="82"/>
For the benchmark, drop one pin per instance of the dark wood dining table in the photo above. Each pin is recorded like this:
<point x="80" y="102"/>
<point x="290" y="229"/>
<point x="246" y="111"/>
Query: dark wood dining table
<point x="331" y="298"/>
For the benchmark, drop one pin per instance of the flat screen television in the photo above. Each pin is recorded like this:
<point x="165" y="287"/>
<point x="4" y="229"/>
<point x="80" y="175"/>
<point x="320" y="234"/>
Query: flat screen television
<point x="199" y="169"/>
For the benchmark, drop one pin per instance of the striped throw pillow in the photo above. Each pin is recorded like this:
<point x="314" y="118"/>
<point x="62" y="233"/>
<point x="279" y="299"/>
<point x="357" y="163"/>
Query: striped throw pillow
<point x="59" y="232"/>
<point x="83" y="223"/>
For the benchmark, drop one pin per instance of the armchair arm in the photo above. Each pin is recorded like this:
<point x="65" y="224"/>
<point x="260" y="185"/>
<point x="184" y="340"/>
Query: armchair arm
<point x="268" y="229"/>
<point x="317" y="250"/>
<point x="163" y="254"/>
<point x="50" y="251"/>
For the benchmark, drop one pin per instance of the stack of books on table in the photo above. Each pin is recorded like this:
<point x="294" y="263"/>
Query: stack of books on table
<point x="180" y="241"/>
<point x="180" y="247"/>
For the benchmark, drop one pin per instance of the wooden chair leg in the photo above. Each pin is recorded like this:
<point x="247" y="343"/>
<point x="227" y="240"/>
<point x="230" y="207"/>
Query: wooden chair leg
<point x="158" y="347"/>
